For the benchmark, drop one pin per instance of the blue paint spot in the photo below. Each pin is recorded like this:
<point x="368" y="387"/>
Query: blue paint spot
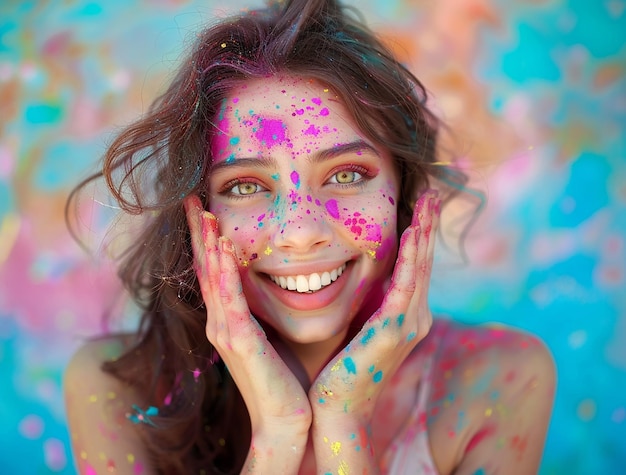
<point x="401" y="319"/>
<point x="91" y="9"/>
<point x="234" y="140"/>
<point x="43" y="114"/>
<point x="480" y="471"/>
<point x="231" y="158"/>
<point x="410" y="336"/>
<point x="371" y="369"/>
<point x="386" y="322"/>
<point x="585" y="193"/>
<point x="531" y="58"/>
<point x="322" y="400"/>
<point x="350" y="366"/>
<point x="378" y="376"/>
<point x="368" y="336"/>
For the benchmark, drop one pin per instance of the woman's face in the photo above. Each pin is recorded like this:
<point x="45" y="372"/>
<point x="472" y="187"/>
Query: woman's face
<point x="309" y="202"/>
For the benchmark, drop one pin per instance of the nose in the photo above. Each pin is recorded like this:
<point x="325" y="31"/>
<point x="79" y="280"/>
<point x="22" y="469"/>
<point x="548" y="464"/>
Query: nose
<point x="301" y="227"/>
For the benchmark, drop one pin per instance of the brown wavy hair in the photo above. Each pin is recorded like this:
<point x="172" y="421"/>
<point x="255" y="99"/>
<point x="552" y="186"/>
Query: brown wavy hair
<point x="202" y="425"/>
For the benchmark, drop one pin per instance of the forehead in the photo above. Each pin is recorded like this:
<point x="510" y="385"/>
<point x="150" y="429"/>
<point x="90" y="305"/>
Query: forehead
<point x="282" y="112"/>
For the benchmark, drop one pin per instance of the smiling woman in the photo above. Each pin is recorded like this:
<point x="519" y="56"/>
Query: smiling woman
<point x="284" y="271"/>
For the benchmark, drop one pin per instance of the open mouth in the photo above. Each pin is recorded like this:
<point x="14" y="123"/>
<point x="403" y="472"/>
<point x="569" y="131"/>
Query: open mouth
<point x="308" y="283"/>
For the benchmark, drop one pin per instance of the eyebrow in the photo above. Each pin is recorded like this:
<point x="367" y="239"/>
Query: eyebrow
<point x="318" y="157"/>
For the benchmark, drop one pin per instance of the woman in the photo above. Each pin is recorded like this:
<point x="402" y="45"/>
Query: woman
<point x="288" y="178"/>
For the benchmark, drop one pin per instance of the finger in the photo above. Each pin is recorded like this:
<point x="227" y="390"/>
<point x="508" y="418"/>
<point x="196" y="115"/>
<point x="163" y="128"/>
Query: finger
<point x="403" y="282"/>
<point x="240" y="323"/>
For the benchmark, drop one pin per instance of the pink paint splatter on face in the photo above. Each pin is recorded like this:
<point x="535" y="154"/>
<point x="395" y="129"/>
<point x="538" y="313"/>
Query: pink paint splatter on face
<point x="324" y="112"/>
<point x="260" y="218"/>
<point x="332" y="208"/>
<point x="373" y="232"/>
<point x="271" y="132"/>
<point x="316" y="100"/>
<point x="295" y="179"/>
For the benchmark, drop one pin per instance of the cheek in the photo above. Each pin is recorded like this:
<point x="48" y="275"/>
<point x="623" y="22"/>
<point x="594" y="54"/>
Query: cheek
<point x="370" y="224"/>
<point x="236" y="225"/>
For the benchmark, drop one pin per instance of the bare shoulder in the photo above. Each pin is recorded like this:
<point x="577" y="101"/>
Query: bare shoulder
<point x="97" y="404"/>
<point x="493" y="389"/>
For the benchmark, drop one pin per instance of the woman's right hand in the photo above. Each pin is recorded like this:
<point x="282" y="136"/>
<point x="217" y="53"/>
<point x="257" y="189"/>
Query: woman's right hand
<point x="279" y="409"/>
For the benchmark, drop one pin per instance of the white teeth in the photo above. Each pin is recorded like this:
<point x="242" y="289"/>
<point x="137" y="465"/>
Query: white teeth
<point x="315" y="282"/>
<point x="310" y="283"/>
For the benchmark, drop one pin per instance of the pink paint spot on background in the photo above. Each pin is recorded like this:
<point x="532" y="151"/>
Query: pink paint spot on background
<point x="271" y="132"/>
<point x="332" y="208"/>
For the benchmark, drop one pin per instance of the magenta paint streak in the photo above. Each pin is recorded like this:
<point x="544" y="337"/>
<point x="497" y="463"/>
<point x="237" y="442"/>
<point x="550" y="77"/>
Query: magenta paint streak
<point x="324" y="112"/>
<point x="295" y="179"/>
<point x="271" y="132"/>
<point x="316" y="100"/>
<point x="332" y="208"/>
<point x="260" y="218"/>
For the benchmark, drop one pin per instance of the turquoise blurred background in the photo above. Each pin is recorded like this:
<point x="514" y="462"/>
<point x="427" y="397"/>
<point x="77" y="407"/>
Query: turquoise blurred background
<point x="534" y="91"/>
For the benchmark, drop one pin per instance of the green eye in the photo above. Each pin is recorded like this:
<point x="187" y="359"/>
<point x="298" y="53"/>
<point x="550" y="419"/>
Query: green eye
<point x="246" y="189"/>
<point x="346" y="177"/>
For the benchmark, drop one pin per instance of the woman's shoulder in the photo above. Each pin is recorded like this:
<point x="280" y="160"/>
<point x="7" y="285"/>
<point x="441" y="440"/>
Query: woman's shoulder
<point x="97" y="406"/>
<point x="491" y="398"/>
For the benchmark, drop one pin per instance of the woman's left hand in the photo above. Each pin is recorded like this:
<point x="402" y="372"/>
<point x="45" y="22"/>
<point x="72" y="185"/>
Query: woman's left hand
<point x="344" y="394"/>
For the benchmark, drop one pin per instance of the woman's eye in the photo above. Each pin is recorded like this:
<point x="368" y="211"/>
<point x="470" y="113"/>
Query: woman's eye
<point x="243" y="189"/>
<point x="345" y="177"/>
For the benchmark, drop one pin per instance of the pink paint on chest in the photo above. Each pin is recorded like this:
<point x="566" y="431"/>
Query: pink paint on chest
<point x="332" y="208"/>
<point x="271" y="132"/>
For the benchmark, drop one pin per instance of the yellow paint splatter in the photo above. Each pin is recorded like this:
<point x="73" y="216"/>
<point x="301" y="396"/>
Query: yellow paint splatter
<point x="337" y="365"/>
<point x="93" y="398"/>
<point x="83" y="455"/>
<point x="372" y="253"/>
<point x="111" y="395"/>
<point x="268" y="251"/>
<point x="488" y="412"/>
<point x="245" y="263"/>
<point x="343" y="468"/>
<point x="130" y="458"/>
<point x="336" y="448"/>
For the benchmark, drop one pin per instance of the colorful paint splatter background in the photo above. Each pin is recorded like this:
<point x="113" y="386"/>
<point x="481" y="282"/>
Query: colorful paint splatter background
<point x="535" y="92"/>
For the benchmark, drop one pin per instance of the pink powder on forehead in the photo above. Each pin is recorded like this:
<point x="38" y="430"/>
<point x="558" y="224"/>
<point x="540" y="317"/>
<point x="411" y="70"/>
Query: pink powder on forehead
<point x="271" y="132"/>
<point x="332" y="208"/>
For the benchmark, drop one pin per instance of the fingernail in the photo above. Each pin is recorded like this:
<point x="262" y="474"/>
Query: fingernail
<point x="226" y="245"/>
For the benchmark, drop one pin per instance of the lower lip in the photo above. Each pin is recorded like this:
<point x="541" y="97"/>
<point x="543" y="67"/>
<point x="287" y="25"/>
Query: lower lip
<point x="304" y="301"/>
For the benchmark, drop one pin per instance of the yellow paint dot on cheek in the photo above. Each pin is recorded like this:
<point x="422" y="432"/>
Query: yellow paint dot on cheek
<point x="268" y="251"/>
<point x="93" y="398"/>
<point x="335" y="447"/>
<point x="130" y="458"/>
<point x="343" y="468"/>
<point x="83" y="455"/>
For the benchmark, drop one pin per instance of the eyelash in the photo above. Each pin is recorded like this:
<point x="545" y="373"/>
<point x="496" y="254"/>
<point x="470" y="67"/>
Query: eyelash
<point x="366" y="175"/>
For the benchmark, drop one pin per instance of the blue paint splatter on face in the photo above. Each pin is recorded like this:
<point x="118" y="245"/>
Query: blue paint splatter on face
<point x="378" y="376"/>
